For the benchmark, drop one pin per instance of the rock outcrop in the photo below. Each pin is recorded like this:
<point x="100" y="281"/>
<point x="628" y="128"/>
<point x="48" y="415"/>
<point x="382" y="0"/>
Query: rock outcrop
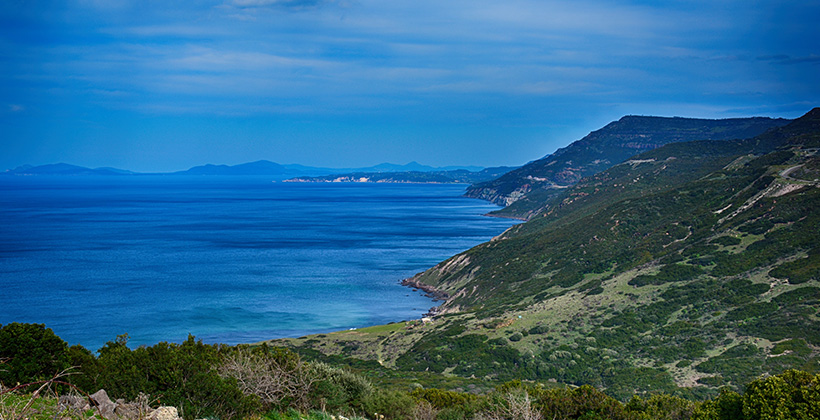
<point x="101" y="403"/>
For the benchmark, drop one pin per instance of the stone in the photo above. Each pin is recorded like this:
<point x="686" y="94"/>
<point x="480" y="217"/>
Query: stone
<point x="104" y="404"/>
<point x="74" y="402"/>
<point x="165" y="413"/>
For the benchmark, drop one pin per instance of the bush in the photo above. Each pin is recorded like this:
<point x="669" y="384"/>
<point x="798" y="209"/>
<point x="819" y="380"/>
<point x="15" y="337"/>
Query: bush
<point x="661" y="406"/>
<point x="513" y="405"/>
<point x="540" y="329"/>
<point x="390" y="404"/>
<point x="726" y="241"/>
<point x="799" y="271"/>
<point x="278" y="377"/>
<point x="441" y="399"/>
<point x="727" y="406"/>
<point x="791" y="395"/>
<point x="584" y="402"/>
<point x="667" y="274"/>
<point x="336" y="389"/>
<point x="31" y="353"/>
<point x="182" y="375"/>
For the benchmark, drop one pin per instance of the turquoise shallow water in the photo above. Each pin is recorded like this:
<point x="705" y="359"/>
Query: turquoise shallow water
<point x="227" y="259"/>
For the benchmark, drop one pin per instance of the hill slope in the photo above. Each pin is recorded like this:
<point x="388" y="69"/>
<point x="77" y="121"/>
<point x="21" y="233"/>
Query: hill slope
<point x="693" y="265"/>
<point x="525" y="190"/>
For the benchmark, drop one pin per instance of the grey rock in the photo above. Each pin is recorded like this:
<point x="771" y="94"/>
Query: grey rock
<point x="104" y="404"/>
<point x="73" y="402"/>
<point x="165" y="413"/>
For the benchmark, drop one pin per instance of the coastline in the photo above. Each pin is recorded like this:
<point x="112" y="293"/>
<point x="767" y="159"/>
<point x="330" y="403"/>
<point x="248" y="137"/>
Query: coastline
<point x="429" y="291"/>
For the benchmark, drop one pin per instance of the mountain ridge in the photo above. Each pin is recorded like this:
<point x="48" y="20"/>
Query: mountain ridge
<point x="524" y="189"/>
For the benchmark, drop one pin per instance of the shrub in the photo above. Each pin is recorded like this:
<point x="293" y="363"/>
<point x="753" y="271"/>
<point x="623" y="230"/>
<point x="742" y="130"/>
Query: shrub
<point x="799" y="271"/>
<point x="584" y="402"/>
<point x="441" y="399"/>
<point x="661" y="406"/>
<point x="390" y="404"/>
<point x="278" y="377"/>
<point x="668" y="273"/>
<point x="540" y="329"/>
<point x="727" y="406"/>
<point x="336" y="389"/>
<point x="791" y="395"/>
<point x="515" y="404"/>
<point x="31" y="352"/>
<point x="182" y="375"/>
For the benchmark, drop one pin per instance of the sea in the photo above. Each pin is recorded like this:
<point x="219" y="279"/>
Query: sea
<point x="226" y="259"/>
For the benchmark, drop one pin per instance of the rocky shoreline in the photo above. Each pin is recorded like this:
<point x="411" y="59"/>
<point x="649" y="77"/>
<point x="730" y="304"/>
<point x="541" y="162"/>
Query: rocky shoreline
<point x="429" y="291"/>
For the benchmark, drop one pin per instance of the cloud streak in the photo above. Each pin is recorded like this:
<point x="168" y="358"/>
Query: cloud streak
<point x="432" y="65"/>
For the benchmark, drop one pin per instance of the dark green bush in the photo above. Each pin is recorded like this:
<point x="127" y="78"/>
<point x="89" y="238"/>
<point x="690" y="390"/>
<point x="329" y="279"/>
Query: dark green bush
<point x="726" y="240"/>
<point x="182" y="375"/>
<point x="791" y="395"/>
<point x="801" y="270"/>
<point x="31" y="353"/>
<point x="442" y="399"/>
<point x="727" y="406"/>
<point x="336" y="389"/>
<point x="540" y="329"/>
<point x="390" y="404"/>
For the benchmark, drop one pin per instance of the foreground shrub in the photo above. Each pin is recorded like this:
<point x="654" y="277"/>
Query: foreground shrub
<point x="388" y="404"/>
<point x="282" y="380"/>
<point x="516" y="404"/>
<point x="660" y="407"/>
<point x="337" y="389"/>
<point x="278" y="377"/>
<point x="584" y="402"/>
<point x="30" y="352"/>
<point x="727" y="406"/>
<point x="181" y="375"/>
<point x="791" y="395"/>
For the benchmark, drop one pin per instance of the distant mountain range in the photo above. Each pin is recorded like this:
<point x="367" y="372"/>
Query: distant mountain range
<point x="259" y="168"/>
<point x="64" y="169"/>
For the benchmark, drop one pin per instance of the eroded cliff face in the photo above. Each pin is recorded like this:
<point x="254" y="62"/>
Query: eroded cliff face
<point x="602" y="149"/>
<point x="495" y="196"/>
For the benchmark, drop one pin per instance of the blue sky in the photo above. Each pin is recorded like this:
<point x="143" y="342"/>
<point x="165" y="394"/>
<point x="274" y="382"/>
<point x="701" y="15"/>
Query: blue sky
<point x="165" y="85"/>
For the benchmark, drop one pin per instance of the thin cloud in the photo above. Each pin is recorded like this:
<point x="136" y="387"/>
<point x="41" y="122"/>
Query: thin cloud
<point x="293" y="5"/>
<point x="786" y="59"/>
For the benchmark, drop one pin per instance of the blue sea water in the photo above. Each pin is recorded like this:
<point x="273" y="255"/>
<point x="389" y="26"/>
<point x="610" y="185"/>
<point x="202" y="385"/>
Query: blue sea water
<point x="227" y="259"/>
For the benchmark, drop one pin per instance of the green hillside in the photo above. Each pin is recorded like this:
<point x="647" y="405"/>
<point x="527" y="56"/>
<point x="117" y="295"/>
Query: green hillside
<point x="693" y="265"/>
<point x="525" y="190"/>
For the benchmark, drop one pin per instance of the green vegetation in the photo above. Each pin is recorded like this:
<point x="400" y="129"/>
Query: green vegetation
<point x="275" y="384"/>
<point x="31" y="353"/>
<point x="683" y="271"/>
<point x="534" y="184"/>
